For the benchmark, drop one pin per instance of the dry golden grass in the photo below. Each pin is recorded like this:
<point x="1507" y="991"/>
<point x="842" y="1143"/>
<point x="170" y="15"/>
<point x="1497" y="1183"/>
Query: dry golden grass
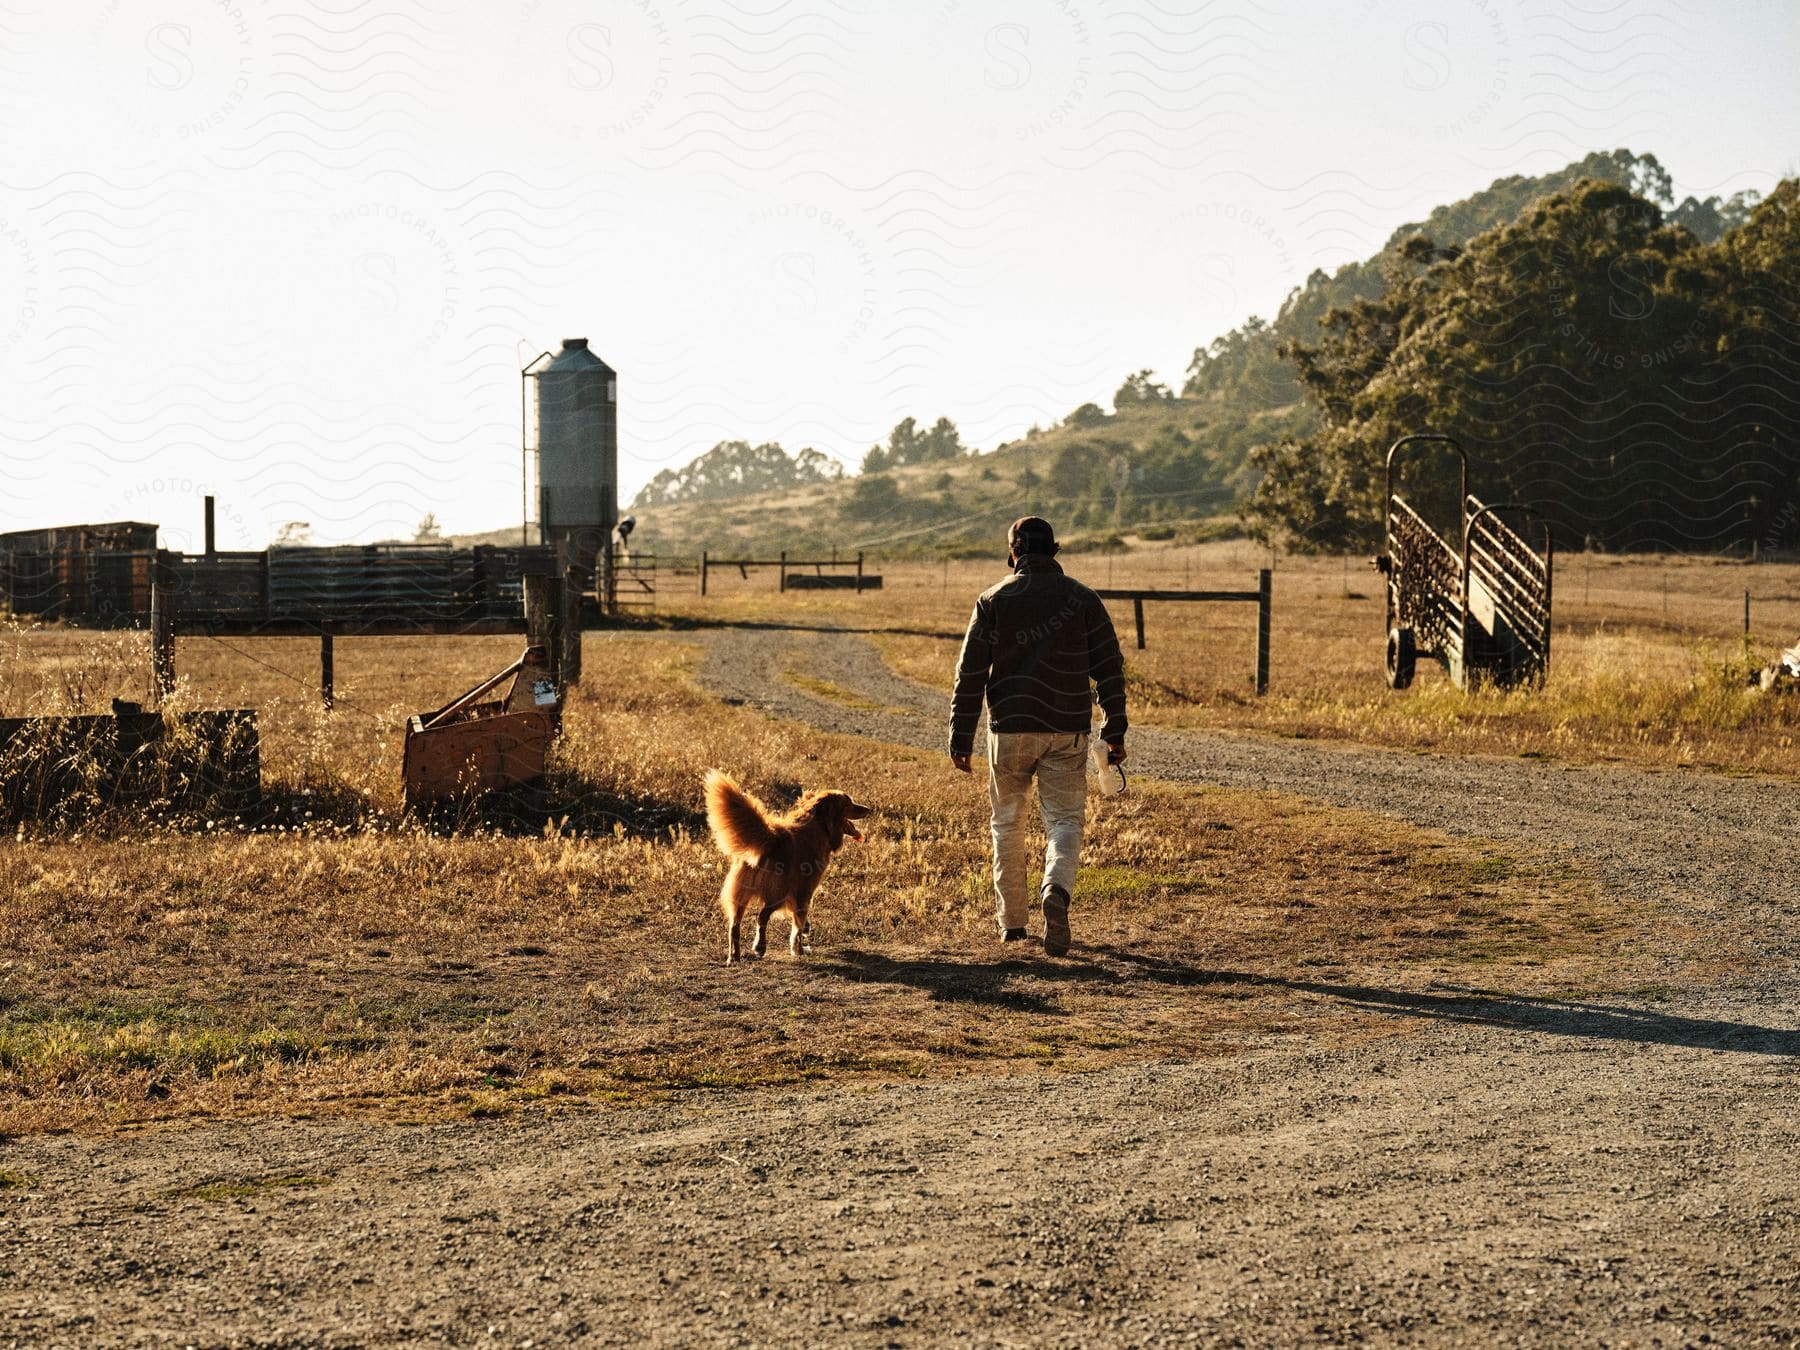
<point x="1648" y="660"/>
<point x="357" y="962"/>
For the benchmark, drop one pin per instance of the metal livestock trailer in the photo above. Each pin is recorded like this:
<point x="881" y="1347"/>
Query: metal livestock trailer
<point x="1481" y="607"/>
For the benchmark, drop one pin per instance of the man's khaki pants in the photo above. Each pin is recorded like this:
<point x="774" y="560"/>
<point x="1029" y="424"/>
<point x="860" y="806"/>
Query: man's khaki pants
<point x="1058" y="760"/>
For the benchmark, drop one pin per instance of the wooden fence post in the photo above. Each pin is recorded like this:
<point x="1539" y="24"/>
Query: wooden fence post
<point x="571" y="616"/>
<point x="783" y="566"/>
<point x="162" y="630"/>
<point x="1264" y="600"/>
<point x="859" y="568"/>
<point x="1137" y="613"/>
<point x="543" y="626"/>
<point x="703" y="561"/>
<point x="327" y="666"/>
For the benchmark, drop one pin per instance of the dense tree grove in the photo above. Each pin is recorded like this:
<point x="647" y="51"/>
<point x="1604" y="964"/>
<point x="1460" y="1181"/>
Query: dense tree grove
<point x="735" y="469"/>
<point x="1634" y="383"/>
<point x="1246" y="366"/>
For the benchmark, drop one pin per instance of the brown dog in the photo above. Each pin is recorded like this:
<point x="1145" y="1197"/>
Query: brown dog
<point x="777" y="860"/>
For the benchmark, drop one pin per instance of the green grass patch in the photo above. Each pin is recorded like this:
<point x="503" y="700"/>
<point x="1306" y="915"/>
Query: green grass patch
<point x="15" y="1181"/>
<point x="1490" y="869"/>
<point x="1116" y="882"/>
<point x="836" y="693"/>
<point x="108" y="1012"/>
<point x="66" y="1049"/>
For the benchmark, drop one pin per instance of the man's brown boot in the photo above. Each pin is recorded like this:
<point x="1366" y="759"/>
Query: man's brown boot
<point x="1056" y="921"/>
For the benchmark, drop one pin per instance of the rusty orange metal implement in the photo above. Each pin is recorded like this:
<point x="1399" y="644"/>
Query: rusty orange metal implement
<point x="472" y="746"/>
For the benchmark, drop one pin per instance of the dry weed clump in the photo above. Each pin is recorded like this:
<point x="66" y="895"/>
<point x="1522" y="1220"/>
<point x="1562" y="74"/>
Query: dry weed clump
<point x="390" y="967"/>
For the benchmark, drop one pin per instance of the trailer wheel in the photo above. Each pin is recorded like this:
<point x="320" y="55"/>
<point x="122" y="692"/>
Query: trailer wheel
<point x="1402" y="658"/>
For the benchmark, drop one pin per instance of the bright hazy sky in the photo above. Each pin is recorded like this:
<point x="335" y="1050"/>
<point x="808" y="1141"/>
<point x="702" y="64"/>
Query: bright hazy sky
<point x="295" y="254"/>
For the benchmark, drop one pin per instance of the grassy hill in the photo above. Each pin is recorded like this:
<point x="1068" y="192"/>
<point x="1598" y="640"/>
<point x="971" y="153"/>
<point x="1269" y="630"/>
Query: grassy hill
<point x="1162" y="467"/>
<point x="1167" y="468"/>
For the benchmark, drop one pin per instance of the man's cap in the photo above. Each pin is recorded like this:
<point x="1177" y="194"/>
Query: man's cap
<point x="1031" y="534"/>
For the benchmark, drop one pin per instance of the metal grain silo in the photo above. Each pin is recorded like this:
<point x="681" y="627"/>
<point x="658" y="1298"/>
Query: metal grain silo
<point x="572" y="440"/>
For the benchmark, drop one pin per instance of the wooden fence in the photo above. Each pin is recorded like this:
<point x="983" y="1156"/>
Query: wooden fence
<point x="1262" y="597"/>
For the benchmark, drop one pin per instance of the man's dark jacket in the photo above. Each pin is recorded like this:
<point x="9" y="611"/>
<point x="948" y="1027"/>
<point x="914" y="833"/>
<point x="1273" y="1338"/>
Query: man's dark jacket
<point x="1034" y="642"/>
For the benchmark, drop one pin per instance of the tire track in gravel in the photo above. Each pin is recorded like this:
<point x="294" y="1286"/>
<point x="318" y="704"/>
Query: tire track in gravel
<point x="1711" y="848"/>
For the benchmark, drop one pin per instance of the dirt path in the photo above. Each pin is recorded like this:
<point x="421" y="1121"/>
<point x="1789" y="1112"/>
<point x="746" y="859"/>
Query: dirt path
<point x="1499" y="1169"/>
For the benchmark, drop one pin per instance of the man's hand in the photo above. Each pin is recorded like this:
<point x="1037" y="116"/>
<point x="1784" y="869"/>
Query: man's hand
<point x="1115" y="752"/>
<point x="961" y="762"/>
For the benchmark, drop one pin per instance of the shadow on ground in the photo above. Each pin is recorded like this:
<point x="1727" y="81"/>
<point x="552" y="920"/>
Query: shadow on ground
<point x="1030" y="982"/>
<point x="1013" y="983"/>
<point x="571" y="803"/>
<point x="1522" y="1012"/>
<point x="1564" y="1017"/>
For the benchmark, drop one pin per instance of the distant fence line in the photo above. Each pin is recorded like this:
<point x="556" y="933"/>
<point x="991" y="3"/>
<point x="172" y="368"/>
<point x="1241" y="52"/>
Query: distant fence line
<point x="408" y="583"/>
<point x="102" y="577"/>
<point x="787" y="567"/>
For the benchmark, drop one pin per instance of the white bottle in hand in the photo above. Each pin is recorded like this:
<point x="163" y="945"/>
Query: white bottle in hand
<point x="1109" y="778"/>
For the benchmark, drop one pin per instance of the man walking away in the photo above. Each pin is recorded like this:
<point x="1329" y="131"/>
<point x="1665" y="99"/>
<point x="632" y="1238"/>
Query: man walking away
<point x="1035" y="642"/>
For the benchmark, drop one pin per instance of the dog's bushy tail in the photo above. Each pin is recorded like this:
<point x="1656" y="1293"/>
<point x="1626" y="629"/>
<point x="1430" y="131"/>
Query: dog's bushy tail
<point x="740" y="824"/>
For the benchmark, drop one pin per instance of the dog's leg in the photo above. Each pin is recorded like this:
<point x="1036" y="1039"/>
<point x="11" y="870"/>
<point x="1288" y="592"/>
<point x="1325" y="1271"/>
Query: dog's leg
<point x="800" y="939"/>
<point x="762" y="929"/>
<point x="731" y="901"/>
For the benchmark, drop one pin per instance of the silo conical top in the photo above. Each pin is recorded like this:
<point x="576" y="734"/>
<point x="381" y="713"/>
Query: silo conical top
<point x="575" y="356"/>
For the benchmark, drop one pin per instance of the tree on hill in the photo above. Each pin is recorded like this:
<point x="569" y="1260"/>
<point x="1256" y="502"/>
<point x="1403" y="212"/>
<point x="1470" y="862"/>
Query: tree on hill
<point x="1713" y="219"/>
<point x="736" y="469"/>
<point x="1075" y="474"/>
<point x="1635" y="385"/>
<point x="906" y="444"/>
<point x="942" y="442"/>
<point x="1243" y="367"/>
<point x="1140" y="388"/>
<point x="873" y="496"/>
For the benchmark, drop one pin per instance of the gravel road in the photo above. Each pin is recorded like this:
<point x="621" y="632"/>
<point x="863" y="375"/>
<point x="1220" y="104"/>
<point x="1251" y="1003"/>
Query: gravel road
<point x="1496" y="1171"/>
<point x="1574" y="1180"/>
